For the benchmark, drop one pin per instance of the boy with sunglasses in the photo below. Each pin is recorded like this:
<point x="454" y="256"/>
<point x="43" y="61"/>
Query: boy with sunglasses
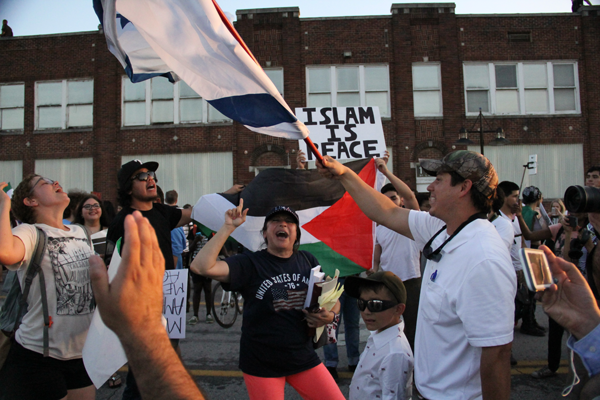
<point x="385" y="367"/>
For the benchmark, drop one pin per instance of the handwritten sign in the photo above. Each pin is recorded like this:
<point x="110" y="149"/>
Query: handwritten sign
<point x="343" y="132"/>
<point x="174" y="291"/>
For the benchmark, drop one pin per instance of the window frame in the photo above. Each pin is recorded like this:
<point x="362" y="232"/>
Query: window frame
<point x="492" y="89"/>
<point x="282" y="93"/>
<point x="177" y="98"/>
<point x="21" y="107"/>
<point x="439" y="89"/>
<point x="64" y="105"/>
<point x="333" y="92"/>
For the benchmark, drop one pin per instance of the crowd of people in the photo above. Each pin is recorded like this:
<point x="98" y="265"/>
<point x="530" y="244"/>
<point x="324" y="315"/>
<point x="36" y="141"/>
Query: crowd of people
<point x="442" y="300"/>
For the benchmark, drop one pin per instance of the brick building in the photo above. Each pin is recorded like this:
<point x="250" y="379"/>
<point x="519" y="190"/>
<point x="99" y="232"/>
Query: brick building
<point x="68" y="112"/>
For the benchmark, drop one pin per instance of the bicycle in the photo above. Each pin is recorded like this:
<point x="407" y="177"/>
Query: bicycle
<point x="226" y="305"/>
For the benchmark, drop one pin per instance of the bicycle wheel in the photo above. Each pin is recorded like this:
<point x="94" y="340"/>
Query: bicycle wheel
<point x="224" y="306"/>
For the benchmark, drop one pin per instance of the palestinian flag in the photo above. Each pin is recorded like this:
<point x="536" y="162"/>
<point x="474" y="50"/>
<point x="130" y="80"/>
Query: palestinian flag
<point x="333" y="228"/>
<point x="9" y="190"/>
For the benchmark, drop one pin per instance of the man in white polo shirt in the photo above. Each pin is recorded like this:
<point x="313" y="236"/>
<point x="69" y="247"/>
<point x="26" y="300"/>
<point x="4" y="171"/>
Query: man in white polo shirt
<point x="466" y="311"/>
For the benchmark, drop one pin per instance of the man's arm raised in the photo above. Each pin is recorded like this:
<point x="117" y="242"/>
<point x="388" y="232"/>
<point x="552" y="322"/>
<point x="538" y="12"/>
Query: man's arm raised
<point x="409" y="198"/>
<point x="131" y="305"/>
<point x="375" y="205"/>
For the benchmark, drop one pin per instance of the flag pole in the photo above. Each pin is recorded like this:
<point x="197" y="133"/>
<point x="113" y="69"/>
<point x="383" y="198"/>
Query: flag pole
<point x="236" y="35"/>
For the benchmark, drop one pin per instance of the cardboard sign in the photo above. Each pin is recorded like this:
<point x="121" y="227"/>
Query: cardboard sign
<point x="174" y="291"/>
<point x="343" y="132"/>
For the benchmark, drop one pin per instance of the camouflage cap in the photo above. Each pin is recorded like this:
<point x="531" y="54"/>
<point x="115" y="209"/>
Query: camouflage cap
<point x="468" y="164"/>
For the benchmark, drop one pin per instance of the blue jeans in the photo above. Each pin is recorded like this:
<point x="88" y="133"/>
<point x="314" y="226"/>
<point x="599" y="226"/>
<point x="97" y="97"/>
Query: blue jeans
<point x="350" y="315"/>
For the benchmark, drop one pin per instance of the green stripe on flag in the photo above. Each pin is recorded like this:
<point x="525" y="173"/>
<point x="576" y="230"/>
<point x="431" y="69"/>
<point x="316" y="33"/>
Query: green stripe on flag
<point x="330" y="260"/>
<point x="209" y="232"/>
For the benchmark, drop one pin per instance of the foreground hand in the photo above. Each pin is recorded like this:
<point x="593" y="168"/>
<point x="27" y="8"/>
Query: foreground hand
<point x="134" y="298"/>
<point x="4" y="199"/>
<point x="331" y="168"/>
<point x="320" y="318"/>
<point x="235" y="217"/>
<point x="570" y="301"/>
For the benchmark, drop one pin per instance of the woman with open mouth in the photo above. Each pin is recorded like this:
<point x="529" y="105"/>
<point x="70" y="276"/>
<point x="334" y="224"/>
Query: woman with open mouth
<point x="275" y="347"/>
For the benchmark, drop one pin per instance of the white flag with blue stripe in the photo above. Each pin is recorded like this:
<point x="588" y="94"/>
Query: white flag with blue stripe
<point x="189" y="40"/>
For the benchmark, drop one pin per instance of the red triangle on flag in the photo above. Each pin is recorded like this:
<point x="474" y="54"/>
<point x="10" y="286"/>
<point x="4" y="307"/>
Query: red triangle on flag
<point x="345" y="228"/>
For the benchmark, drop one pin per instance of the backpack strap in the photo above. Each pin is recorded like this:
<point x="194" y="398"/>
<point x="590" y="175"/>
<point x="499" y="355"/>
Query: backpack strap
<point x="33" y="269"/>
<point x="87" y="235"/>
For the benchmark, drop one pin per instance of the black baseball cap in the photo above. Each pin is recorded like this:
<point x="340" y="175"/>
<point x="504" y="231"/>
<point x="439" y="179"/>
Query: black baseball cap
<point x="128" y="169"/>
<point x="282" y="209"/>
<point x="353" y="284"/>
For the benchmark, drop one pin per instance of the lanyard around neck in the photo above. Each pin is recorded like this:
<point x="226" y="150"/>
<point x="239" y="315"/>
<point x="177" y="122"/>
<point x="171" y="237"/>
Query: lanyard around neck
<point x="435" y="254"/>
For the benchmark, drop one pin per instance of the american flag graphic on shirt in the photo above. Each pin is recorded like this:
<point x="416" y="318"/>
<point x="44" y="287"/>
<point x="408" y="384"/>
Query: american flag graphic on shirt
<point x="288" y="299"/>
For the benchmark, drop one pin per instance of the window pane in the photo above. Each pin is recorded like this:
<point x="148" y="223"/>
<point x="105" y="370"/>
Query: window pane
<point x="12" y="96"/>
<point x="49" y="93"/>
<point x="12" y="118"/>
<point x="80" y="116"/>
<point x="348" y="99"/>
<point x="347" y="78"/>
<point x="426" y="77"/>
<point x="276" y="76"/>
<point x="477" y="76"/>
<point x="50" y="117"/>
<point x="536" y="101"/>
<point x="377" y="78"/>
<point x="563" y="75"/>
<point x="186" y="91"/>
<point x="477" y="99"/>
<point x="215" y="115"/>
<point x="379" y="99"/>
<point x="564" y="99"/>
<point x="507" y="101"/>
<point x="535" y="75"/>
<point x="319" y="80"/>
<point x="319" y="100"/>
<point x="506" y="76"/>
<point x="135" y="113"/>
<point x="80" y="92"/>
<point x="135" y="91"/>
<point x="162" y="111"/>
<point x="161" y="88"/>
<point x="190" y="110"/>
<point x="427" y="102"/>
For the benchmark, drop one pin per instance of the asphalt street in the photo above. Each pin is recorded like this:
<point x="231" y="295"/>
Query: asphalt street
<point x="211" y="355"/>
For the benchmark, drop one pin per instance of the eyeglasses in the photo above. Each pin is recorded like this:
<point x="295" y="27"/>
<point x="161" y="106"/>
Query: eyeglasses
<point x="48" y="181"/>
<point x="375" y="305"/>
<point x="95" y="206"/>
<point x="143" y="176"/>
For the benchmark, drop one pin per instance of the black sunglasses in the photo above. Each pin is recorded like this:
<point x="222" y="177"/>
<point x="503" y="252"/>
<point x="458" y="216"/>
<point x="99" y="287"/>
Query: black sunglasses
<point x="375" y="305"/>
<point x="143" y="176"/>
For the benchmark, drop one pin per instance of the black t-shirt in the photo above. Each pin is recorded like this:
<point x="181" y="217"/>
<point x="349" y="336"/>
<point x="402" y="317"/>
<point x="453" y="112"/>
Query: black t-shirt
<point x="162" y="218"/>
<point x="274" y="340"/>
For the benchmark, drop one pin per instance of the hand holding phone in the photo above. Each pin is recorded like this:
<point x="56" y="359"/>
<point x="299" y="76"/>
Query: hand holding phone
<point x="536" y="270"/>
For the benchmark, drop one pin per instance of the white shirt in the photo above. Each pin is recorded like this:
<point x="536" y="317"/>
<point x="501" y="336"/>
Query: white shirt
<point x="399" y="254"/>
<point x="505" y="230"/>
<point x="467" y="302"/>
<point x="517" y="244"/>
<point x="385" y="368"/>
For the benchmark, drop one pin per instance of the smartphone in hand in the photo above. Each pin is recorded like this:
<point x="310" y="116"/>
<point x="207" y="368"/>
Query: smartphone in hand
<point x="536" y="269"/>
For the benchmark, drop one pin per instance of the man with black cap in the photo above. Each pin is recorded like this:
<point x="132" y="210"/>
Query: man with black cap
<point x="137" y="192"/>
<point x="466" y="311"/>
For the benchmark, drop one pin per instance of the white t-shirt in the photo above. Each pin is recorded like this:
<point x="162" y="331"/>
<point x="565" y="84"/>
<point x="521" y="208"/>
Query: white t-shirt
<point x="399" y="254"/>
<point x="517" y="244"/>
<point x="68" y="289"/>
<point x="467" y="302"/>
<point x="505" y="230"/>
<point x="385" y="368"/>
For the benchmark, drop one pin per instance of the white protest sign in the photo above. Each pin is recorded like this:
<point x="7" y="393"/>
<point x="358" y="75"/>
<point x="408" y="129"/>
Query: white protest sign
<point x="174" y="307"/>
<point x="343" y="132"/>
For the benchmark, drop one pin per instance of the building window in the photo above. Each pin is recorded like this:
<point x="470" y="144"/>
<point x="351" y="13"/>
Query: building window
<point x="64" y="104"/>
<point x="349" y="86"/>
<point x="427" y="90"/>
<point x="12" y="102"/>
<point x="522" y="88"/>
<point x="276" y="76"/>
<point x="158" y="101"/>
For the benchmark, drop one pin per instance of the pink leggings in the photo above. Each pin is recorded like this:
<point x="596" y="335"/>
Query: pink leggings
<point x="313" y="384"/>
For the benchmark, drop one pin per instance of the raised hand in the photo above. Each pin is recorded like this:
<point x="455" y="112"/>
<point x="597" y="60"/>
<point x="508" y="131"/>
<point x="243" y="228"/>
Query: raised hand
<point x="331" y="168"/>
<point x="236" y="217"/>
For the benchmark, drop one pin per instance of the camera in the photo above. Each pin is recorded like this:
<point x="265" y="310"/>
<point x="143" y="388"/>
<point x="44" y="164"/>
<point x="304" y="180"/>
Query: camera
<point x="582" y="199"/>
<point x="576" y="250"/>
